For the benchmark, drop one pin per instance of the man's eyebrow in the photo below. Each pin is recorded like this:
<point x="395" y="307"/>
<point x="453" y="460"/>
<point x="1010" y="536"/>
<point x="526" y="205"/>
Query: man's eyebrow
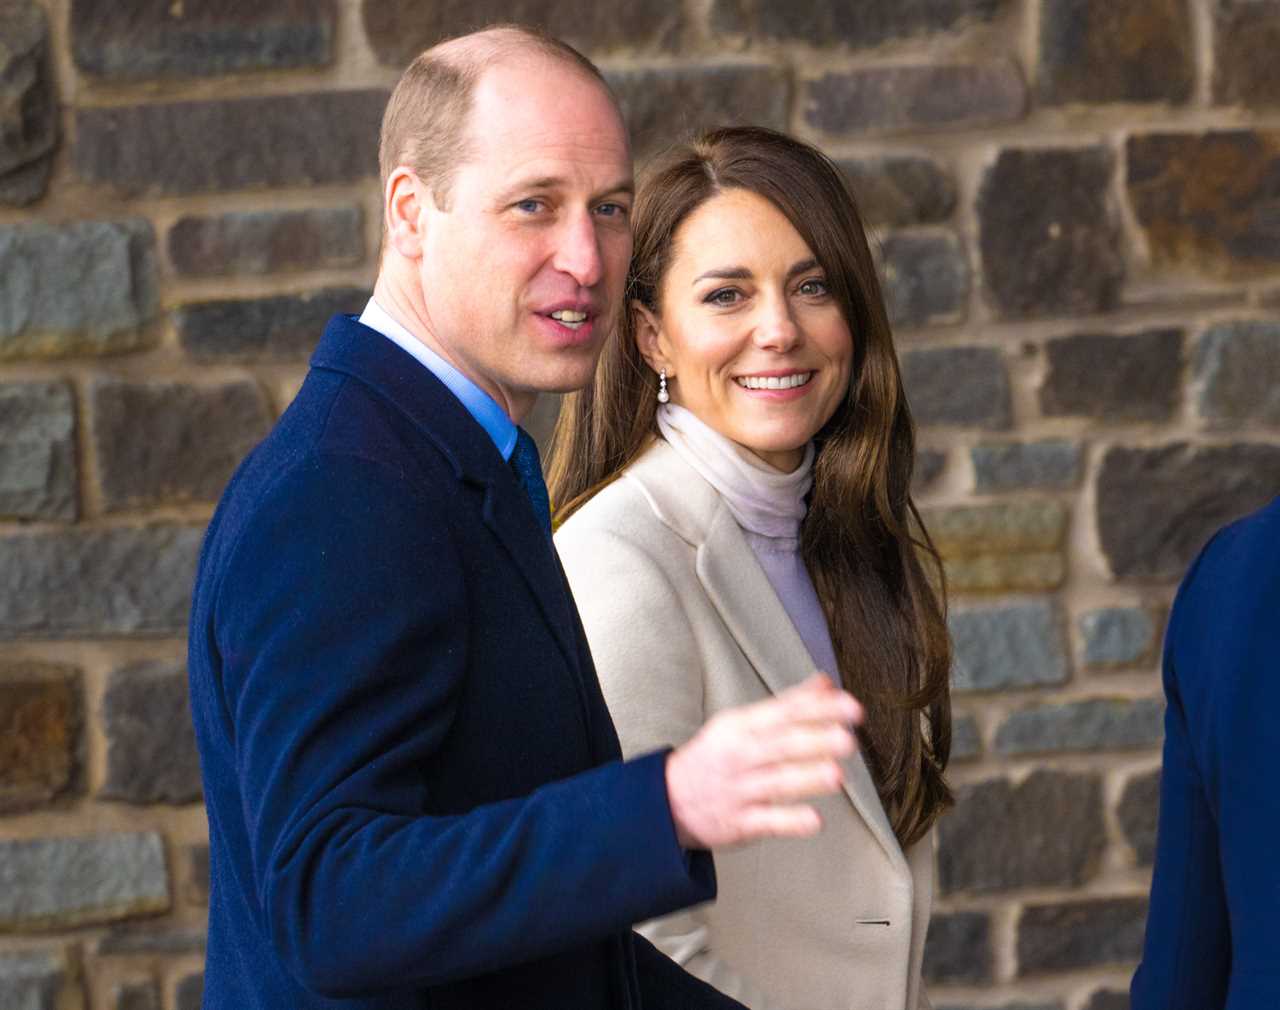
<point x="542" y="183"/>
<point x="743" y="274"/>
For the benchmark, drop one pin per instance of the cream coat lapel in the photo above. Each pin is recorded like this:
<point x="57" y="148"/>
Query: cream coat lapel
<point x="740" y="591"/>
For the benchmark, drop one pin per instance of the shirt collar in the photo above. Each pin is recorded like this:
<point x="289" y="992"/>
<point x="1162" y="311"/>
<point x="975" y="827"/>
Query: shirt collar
<point x="480" y="405"/>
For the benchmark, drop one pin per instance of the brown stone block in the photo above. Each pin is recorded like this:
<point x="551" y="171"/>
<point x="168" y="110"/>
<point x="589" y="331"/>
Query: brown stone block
<point x="39" y="733"/>
<point x="1206" y="201"/>
<point x="900" y="189"/>
<point x="858" y="24"/>
<point x="1006" y="573"/>
<point x="1246" y="40"/>
<point x="1116" y="51"/>
<point x="972" y="530"/>
<point x="1082" y="934"/>
<point x="1114" y="377"/>
<point x="267" y="241"/>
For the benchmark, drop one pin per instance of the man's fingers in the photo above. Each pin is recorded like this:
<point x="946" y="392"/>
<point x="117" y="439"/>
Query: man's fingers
<point x="793" y="781"/>
<point x="779" y="822"/>
<point x="803" y="743"/>
<point x="815" y="700"/>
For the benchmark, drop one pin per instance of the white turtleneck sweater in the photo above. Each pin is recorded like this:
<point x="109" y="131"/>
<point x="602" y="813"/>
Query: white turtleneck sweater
<point x="769" y="506"/>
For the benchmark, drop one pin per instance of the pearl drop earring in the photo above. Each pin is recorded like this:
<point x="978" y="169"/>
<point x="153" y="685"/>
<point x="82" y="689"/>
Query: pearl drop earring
<point x="663" y="396"/>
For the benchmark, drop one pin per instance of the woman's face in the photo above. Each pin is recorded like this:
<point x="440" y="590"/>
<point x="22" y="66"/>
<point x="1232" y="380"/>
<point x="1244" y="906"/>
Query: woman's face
<point x="753" y="342"/>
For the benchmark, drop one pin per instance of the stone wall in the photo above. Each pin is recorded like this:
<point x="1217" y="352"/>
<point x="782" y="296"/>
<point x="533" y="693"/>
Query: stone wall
<point x="1075" y="205"/>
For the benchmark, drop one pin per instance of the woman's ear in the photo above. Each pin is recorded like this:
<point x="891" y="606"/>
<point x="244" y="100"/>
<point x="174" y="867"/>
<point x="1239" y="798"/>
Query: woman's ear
<point x="648" y="331"/>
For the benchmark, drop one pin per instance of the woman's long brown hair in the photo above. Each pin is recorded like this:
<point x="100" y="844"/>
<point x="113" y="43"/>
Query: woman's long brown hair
<point x="862" y="538"/>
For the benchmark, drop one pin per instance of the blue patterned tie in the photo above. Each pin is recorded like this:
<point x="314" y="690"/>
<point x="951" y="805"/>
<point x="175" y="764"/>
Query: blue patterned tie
<point x="528" y="467"/>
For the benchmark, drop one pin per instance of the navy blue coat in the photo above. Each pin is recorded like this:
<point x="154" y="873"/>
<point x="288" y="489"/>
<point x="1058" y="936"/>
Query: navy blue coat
<point x="414" y="789"/>
<point x="1213" y="939"/>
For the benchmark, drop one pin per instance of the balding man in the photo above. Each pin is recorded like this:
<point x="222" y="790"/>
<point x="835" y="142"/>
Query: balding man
<point x="415" y="793"/>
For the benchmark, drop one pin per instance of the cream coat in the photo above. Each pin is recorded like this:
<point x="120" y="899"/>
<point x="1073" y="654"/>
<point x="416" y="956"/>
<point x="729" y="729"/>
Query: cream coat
<point x="682" y="623"/>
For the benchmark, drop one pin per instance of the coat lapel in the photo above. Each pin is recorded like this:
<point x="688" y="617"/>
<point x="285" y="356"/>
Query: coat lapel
<point x="740" y="591"/>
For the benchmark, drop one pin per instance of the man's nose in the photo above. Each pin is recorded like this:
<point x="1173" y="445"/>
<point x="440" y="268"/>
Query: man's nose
<point x="776" y="328"/>
<point x="578" y="250"/>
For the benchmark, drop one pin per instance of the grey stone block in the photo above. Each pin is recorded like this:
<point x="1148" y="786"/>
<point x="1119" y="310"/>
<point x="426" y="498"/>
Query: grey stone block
<point x="34" y="979"/>
<point x="1083" y="934"/>
<point x="266" y="241"/>
<point x="37" y="451"/>
<point x="1139" y="813"/>
<point x="1052" y="465"/>
<point x="137" y="995"/>
<point x="966" y="738"/>
<point x="1156" y="507"/>
<point x="913" y="97"/>
<point x="131" y="941"/>
<point x="172" y="442"/>
<point x="58" y="883"/>
<point x="930" y="464"/>
<point x="313" y="139"/>
<point x="28" y="103"/>
<point x="1117" y="636"/>
<point x="277" y="328"/>
<point x="1094" y="724"/>
<point x="110" y="582"/>
<point x="926" y="278"/>
<point x="838" y="22"/>
<point x="83" y="288"/>
<point x="1108" y="999"/>
<point x="961" y="386"/>
<point x="1045" y="832"/>
<point x="131" y="40"/>
<point x="898" y="190"/>
<point x="1130" y="377"/>
<point x="957" y="949"/>
<point x="1007" y="646"/>
<point x="1049" y="232"/>
<point x="1238" y="369"/>
<point x="190" y="993"/>
<point x="151" y="743"/>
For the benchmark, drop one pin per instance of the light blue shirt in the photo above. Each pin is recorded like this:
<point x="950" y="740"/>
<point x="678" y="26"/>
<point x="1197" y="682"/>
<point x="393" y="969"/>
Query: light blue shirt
<point x="480" y="405"/>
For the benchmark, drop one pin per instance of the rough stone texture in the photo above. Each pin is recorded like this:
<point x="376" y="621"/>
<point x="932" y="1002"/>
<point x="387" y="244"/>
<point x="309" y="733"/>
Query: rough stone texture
<point x="37" y="451"/>
<point x="1093" y="724"/>
<point x="314" y="139"/>
<point x="132" y="940"/>
<point x="57" y="883"/>
<point x="900" y="190"/>
<point x="926" y="278"/>
<point x="83" y="288"/>
<point x="1116" y="51"/>
<point x="139" y="40"/>
<point x="1108" y="999"/>
<point x="966" y="386"/>
<point x="282" y="327"/>
<point x="1205" y="201"/>
<point x="1007" y="646"/>
<point x="137" y="996"/>
<point x="930" y="465"/>
<point x="1019" y="466"/>
<point x="1238" y="368"/>
<point x="966" y="738"/>
<point x="835" y="22"/>
<point x="1003" y="1006"/>
<point x="1138" y="812"/>
<point x="966" y="530"/>
<point x="1046" y="832"/>
<point x="1246" y="39"/>
<point x="189" y="993"/>
<point x="197" y="887"/>
<point x="915" y="97"/>
<point x="32" y="979"/>
<point x="1117" y="636"/>
<point x="958" y="949"/>
<point x="663" y="104"/>
<point x="1049" y="235"/>
<point x="28" y="104"/>
<point x="1006" y="573"/>
<point x="1156" y="507"/>
<point x="151" y="744"/>
<point x="1134" y="377"/>
<point x="399" y="29"/>
<point x="194" y="438"/>
<point x="39" y="732"/>
<point x="134" y="581"/>
<point x="267" y="241"/>
<point x="1080" y="934"/>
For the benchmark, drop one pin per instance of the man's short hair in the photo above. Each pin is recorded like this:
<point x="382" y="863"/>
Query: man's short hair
<point x="424" y="125"/>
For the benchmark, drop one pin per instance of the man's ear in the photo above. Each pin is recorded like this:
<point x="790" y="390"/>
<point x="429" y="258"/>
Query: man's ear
<point x="405" y="202"/>
<point x="648" y="331"/>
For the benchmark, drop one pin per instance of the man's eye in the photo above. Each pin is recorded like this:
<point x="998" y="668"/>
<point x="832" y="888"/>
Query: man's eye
<point x="530" y="206"/>
<point x="611" y="210"/>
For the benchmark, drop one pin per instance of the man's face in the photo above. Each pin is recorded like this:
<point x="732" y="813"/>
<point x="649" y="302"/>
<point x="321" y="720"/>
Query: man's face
<point x="523" y="272"/>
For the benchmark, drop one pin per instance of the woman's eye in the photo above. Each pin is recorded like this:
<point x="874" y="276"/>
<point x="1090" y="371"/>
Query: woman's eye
<point x="813" y="287"/>
<point x="722" y="296"/>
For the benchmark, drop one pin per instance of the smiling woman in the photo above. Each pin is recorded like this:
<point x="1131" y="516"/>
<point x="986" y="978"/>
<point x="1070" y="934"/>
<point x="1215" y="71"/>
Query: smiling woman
<point x="752" y="527"/>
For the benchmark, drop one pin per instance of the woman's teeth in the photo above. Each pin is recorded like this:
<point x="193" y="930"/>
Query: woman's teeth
<point x="569" y="318"/>
<point x="773" y="381"/>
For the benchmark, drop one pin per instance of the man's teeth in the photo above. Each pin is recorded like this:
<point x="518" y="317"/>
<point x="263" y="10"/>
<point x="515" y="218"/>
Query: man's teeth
<point x="569" y="318"/>
<point x="774" y="381"/>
